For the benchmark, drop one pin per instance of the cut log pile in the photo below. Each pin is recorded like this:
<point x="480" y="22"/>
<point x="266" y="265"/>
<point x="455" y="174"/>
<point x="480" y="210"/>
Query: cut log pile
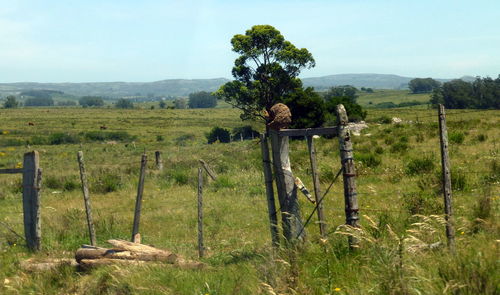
<point x="122" y="253"/>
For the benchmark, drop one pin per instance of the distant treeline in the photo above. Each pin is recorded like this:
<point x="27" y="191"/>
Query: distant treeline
<point x="483" y="93"/>
<point x="391" y="105"/>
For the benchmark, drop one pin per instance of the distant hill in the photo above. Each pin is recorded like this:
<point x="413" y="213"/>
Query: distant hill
<point x="183" y="87"/>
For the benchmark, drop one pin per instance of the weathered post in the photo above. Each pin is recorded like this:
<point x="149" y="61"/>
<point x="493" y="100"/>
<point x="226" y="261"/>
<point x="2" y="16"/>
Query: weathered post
<point x="446" y="174"/>
<point x="159" y="161"/>
<point x="209" y="170"/>
<point x="31" y="200"/>
<point x="86" y="198"/>
<point x="349" y="172"/>
<point x="201" y="248"/>
<point x="138" y="201"/>
<point x="287" y="190"/>
<point x="268" y="177"/>
<point x="316" y="184"/>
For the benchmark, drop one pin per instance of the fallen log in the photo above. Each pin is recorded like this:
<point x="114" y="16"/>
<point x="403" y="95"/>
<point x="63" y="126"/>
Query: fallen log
<point x="129" y="251"/>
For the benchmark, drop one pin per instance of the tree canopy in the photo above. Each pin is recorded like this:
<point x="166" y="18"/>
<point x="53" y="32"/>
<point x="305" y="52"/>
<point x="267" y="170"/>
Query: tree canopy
<point x="10" y="102"/>
<point x="265" y="72"/>
<point x="39" y="102"/>
<point x="91" y="101"/>
<point x="483" y="93"/>
<point x="423" y="85"/>
<point x="123" y="103"/>
<point x="202" y="99"/>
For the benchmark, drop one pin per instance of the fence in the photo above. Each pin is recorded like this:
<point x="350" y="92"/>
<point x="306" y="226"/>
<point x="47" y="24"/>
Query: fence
<point x="291" y="218"/>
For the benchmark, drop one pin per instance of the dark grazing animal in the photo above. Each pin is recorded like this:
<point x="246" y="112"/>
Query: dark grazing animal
<point x="31" y="124"/>
<point x="104" y="127"/>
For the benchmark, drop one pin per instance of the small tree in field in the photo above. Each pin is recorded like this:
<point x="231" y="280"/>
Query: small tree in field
<point x="11" y="102"/>
<point x="265" y="72"/>
<point x="123" y="103"/>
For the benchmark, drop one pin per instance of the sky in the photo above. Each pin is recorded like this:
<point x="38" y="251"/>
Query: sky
<point x="151" y="40"/>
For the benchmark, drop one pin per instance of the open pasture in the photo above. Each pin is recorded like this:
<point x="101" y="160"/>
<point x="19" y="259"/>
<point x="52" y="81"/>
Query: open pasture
<point x="398" y="169"/>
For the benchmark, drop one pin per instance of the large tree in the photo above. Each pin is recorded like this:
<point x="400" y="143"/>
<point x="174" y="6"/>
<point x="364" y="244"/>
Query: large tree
<point x="201" y="100"/>
<point x="10" y="102"/>
<point x="265" y="72"/>
<point x="423" y="85"/>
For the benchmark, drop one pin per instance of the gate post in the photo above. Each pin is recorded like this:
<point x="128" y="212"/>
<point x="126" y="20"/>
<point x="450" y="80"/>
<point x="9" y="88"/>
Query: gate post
<point x="32" y="176"/>
<point x="349" y="172"/>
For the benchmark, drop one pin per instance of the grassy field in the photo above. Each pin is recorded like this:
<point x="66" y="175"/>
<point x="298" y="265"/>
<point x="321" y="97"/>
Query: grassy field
<point x="388" y="95"/>
<point x="399" y="198"/>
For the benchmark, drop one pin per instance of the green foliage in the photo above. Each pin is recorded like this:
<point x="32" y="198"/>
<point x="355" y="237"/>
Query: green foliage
<point x="123" y="103"/>
<point x="39" y="102"/>
<point x="218" y="134"/>
<point x="66" y="103"/>
<point x="347" y="91"/>
<point x="106" y="181"/>
<point x="483" y="93"/>
<point x="201" y="100"/>
<point x="307" y="107"/>
<point x="457" y="137"/>
<point x="419" y="85"/>
<point x="91" y="101"/>
<point x="422" y="203"/>
<point x="245" y="132"/>
<point x="368" y="160"/>
<point x="160" y="138"/>
<point x="420" y="165"/>
<point x="354" y="111"/>
<point x="182" y="103"/>
<point x="391" y="105"/>
<point x="10" y="102"/>
<point x="40" y="93"/>
<point x="162" y="104"/>
<point x="62" y="138"/>
<point x="399" y="147"/>
<point x="265" y="72"/>
<point x="108" y="135"/>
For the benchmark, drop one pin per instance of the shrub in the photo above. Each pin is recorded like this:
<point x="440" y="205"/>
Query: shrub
<point x="91" y="101"/>
<point x="422" y="203"/>
<point x="369" y="160"/>
<point x="417" y="166"/>
<point x="62" y="138"/>
<point x="103" y="135"/>
<point x="379" y="150"/>
<point x="106" y="181"/>
<point x="218" y="134"/>
<point x="457" y="137"/>
<point x="159" y="138"/>
<point x="384" y="120"/>
<point x="245" y="132"/>
<point x="399" y="147"/>
<point x="123" y="103"/>
<point x="481" y="137"/>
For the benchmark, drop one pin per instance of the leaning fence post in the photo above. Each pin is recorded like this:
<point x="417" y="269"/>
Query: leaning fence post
<point x="445" y="164"/>
<point x="31" y="200"/>
<point x="86" y="199"/>
<point x="159" y="161"/>
<point x="268" y="176"/>
<point x="316" y="184"/>
<point x="201" y="248"/>
<point x="287" y="190"/>
<point x="349" y="172"/>
<point x="138" y="202"/>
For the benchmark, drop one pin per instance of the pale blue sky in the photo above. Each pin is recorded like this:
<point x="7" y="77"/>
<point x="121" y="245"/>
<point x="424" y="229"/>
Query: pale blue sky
<point x="150" y="40"/>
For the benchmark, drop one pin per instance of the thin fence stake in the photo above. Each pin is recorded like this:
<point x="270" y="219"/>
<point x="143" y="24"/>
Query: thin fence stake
<point x="446" y="174"/>
<point x="138" y="202"/>
<point x="316" y="184"/>
<point x="349" y="172"/>
<point x="209" y="170"/>
<point x="268" y="177"/>
<point x="86" y="199"/>
<point x="201" y="248"/>
<point x="31" y="200"/>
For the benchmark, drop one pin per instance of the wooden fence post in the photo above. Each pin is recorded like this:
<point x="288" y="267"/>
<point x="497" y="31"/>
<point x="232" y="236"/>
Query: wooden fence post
<point x="31" y="200"/>
<point x="316" y="184"/>
<point x="159" y="161"/>
<point x="268" y="177"/>
<point x="201" y="248"/>
<point x="209" y="170"/>
<point x="287" y="190"/>
<point x="86" y="198"/>
<point x="349" y="172"/>
<point x="138" y="202"/>
<point x="446" y="174"/>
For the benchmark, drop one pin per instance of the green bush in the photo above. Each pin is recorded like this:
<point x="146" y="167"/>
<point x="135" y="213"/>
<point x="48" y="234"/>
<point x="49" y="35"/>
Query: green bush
<point x="38" y="140"/>
<point x="420" y="165"/>
<point x="218" y="134"/>
<point x="368" y="160"/>
<point x="457" y="137"/>
<point x="399" y="147"/>
<point x="106" y="181"/>
<point x="62" y="138"/>
<point x="103" y="136"/>
<point x="422" y="203"/>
